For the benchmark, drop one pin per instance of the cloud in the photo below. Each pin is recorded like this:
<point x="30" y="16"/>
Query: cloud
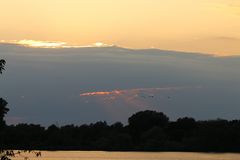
<point x="225" y="38"/>
<point x="132" y="91"/>
<point x="101" y="93"/>
<point x="51" y="44"/>
<point x="138" y="97"/>
<point x="230" y="6"/>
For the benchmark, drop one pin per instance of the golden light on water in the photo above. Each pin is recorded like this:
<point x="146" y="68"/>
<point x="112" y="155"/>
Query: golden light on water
<point x="98" y="155"/>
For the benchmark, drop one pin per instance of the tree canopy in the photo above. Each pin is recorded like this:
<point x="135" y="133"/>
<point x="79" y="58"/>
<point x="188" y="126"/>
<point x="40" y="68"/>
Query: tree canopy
<point x="3" y="103"/>
<point x="2" y="64"/>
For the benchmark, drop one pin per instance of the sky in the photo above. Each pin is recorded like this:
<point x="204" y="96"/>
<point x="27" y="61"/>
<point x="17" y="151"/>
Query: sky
<point x="88" y="84"/>
<point x="209" y="26"/>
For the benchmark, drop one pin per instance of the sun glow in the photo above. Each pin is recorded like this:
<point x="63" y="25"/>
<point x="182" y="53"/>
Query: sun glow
<point x="52" y="44"/>
<point x="100" y="44"/>
<point x="47" y="44"/>
<point x="36" y="44"/>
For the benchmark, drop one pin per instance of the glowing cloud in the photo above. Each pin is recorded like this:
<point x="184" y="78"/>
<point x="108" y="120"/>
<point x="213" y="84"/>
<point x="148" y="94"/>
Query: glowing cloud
<point x="52" y="44"/>
<point x="47" y="44"/>
<point x="36" y="44"/>
<point x="132" y="91"/>
<point x="100" y="44"/>
<point x="138" y="98"/>
<point x="100" y="93"/>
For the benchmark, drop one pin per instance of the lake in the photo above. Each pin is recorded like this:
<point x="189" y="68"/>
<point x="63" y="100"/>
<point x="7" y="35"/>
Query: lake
<point x="97" y="155"/>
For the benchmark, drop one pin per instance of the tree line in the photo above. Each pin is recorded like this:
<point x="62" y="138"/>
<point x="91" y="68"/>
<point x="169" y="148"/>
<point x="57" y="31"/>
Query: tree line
<point x="145" y="131"/>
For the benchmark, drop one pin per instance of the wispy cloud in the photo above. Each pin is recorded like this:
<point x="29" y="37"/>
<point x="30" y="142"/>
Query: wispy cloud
<point x="139" y="97"/>
<point x="225" y="38"/>
<point x="132" y="91"/>
<point x="229" y="6"/>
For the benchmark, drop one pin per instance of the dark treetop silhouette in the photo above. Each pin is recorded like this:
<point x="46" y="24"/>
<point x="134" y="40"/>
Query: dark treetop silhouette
<point x="4" y="154"/>
<point x="146" y="131"/>
<point x="3" y="103"/>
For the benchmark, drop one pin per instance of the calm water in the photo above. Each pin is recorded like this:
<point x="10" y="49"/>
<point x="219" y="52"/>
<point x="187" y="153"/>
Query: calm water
<point x="76" y="155"/>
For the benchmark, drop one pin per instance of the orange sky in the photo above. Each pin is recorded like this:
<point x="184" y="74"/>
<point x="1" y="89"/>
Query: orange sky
<point x="211" y="26"/>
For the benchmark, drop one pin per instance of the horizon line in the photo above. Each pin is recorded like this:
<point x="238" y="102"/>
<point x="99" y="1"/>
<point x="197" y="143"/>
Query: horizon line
<point x="29" y="43"/>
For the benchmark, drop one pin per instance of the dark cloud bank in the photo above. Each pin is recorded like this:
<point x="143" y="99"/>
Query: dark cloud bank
<point x="44" y="85"/>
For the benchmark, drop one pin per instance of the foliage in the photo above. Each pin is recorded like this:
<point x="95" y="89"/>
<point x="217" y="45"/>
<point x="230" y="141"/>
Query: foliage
<point x="2" y="64"/>
<point x="3" y="111"/>
<point x="184" y="134"/>
<point x="3" y="103"/>
<point x="7" y="154"/>
<point x="145" y="120"/>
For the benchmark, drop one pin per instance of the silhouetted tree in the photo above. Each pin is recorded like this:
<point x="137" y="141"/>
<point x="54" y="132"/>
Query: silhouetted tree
<point x="4" y="154"/>
<point x="153" y="139"/>
<point x="3" y="103"/>
<point x="146" y="131"/>
<point x="186" y="123"/>
<point x="3" y="111"/>
<point x="145" y="120"/>
<point x="2" y="65"/>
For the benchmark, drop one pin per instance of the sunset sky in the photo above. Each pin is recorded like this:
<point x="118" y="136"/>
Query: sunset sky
<point x="210" y="26"/>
